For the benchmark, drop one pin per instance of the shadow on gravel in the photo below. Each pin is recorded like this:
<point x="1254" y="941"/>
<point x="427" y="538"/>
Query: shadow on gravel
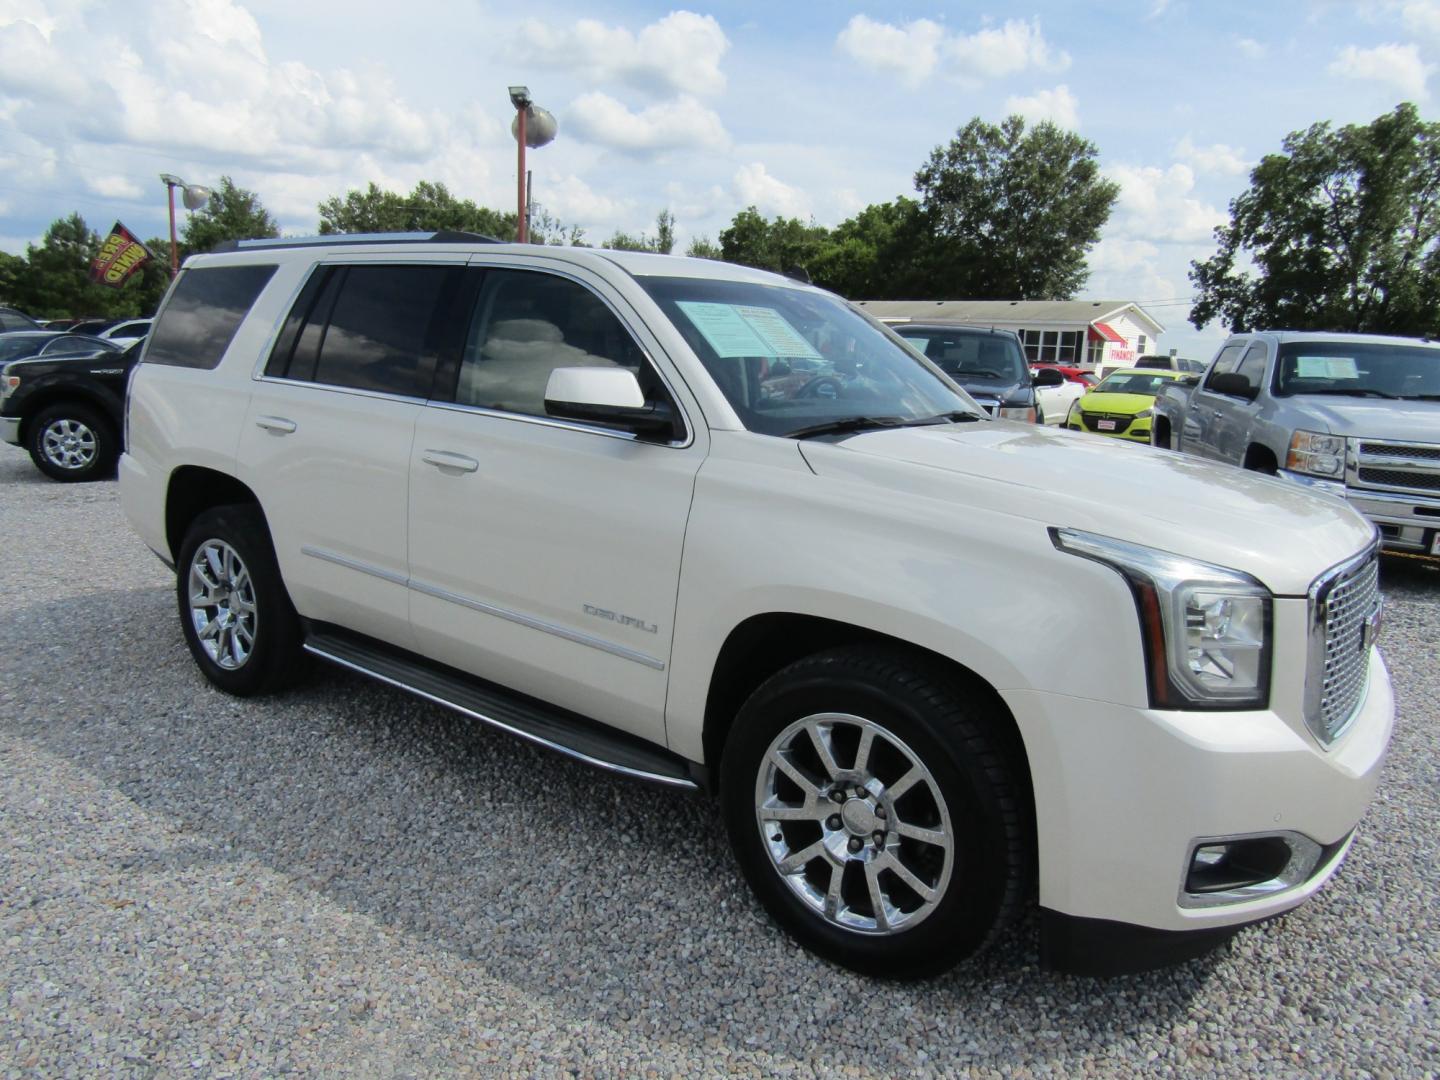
<point x="616" y="900"/>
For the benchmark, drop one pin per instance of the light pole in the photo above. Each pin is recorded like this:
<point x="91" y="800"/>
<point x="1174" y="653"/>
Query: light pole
<point x="195" y="196"/>
<point x="533" y="126"/>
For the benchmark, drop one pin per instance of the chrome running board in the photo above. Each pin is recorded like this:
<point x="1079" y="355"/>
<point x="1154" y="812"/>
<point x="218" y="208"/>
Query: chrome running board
<point x="556" y="729"/>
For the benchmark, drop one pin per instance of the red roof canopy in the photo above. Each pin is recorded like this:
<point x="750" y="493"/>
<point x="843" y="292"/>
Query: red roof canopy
<point x="1102" y="332"/>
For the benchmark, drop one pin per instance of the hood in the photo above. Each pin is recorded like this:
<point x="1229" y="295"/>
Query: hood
<point x="994" y="389"/>
<point x="1374" y="418"/>
<point x="1281" y="534"/>
<point x="1116" y="403"/>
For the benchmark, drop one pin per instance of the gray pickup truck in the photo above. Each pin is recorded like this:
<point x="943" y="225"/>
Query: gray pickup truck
<point x="1356" y="415"/>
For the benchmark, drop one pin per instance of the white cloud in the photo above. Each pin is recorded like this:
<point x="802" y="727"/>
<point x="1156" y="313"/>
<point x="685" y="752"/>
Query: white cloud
<point x="681" y="52"/>
<point x="115" y="187"/>
<point x="666" y="126"/>
<point x="1058" y="106"/>
<point x="754" y="186"/>
<point x="1422" y="17"/>
<point x="1158" y="206"/>
<point x="914" y="50"/>
<point x="572" y="200"/>
<point x="1396" y="66"/>
<point x="909" y="51"/>
<point x="1250" y="48"/>
<point x="1012" y="48"/>
<point x="1158" y="8"/>
<point x="1216" y="158"/>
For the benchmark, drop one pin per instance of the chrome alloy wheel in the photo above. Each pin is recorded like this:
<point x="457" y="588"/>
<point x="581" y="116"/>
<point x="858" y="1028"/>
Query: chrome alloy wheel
<point x="68" y="444"/>
<point x="854" y="823"/>
<point x="222" y="604"/>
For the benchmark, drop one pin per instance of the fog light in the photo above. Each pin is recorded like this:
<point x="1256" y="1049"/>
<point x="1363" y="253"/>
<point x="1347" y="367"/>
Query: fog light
<point x="1231" y="870"/>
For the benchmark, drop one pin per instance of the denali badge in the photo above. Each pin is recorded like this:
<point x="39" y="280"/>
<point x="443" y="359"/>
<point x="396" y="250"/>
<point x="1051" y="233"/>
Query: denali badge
<point x="623" y="620"/>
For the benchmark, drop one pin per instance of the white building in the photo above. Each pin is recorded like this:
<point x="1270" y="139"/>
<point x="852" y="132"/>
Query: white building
<point x="1085" y="333"/>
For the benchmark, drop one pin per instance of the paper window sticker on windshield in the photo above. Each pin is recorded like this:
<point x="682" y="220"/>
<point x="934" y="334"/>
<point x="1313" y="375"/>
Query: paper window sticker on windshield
<point x="920" y="343"/>
<point x="724" y="329"/>
<point x="777" y="332"/>
<point x="1326" y="367"/>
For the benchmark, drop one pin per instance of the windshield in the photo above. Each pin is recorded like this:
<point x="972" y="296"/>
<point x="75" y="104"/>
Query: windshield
<point x="789" y="360"/>
<point x="1362" y="370"/>
<point x="1133" y="382"/>
<point x="971" y="356"/>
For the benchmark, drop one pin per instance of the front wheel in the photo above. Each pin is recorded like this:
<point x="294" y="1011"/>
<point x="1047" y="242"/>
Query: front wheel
<point x="234" y="611"/>
<point x="874" y="812"/>
<point x="71" y="442"/>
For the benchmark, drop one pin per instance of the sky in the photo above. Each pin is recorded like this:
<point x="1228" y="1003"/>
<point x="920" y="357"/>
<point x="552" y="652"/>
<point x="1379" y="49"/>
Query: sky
<point x="812" y="110"/>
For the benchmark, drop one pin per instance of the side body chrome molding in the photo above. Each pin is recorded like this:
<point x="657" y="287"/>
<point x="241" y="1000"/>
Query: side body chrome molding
<point x="530" y="621"/>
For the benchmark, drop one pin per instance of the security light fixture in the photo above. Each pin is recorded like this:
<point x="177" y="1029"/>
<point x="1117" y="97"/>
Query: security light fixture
<point x="194" y="196"/>
<point x="520" y="96"/>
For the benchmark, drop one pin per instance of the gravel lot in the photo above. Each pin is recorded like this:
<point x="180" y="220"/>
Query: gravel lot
<point x="343" y="881"/>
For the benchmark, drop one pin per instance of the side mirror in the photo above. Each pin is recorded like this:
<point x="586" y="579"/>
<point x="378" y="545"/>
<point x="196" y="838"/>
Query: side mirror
<point x="1233" y="384"/>
<point x="1189" y="380"/>
<point x="609" y="396"/>
<point x="1049" y="377"/>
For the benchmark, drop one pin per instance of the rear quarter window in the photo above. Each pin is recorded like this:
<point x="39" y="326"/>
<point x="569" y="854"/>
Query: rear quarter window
<point x="202" y="314"/>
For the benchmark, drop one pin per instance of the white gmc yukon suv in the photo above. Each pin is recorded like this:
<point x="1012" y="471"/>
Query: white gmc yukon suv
<point x="714" y="528"/>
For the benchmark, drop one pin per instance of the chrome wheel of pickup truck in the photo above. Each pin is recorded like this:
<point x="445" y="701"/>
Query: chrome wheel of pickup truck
<point x="222" y="604"/>
<point x="854" y="822"/>
<point x="72" y="442"/>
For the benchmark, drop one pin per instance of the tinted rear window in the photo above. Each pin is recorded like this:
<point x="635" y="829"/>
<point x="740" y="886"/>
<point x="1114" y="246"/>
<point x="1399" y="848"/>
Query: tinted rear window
<point x="203" y="313"/>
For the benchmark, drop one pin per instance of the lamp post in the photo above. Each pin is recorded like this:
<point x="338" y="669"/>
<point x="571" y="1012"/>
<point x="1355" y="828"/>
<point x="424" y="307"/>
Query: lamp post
<point x="533" y="126"/>
<point x="194" y="196"/>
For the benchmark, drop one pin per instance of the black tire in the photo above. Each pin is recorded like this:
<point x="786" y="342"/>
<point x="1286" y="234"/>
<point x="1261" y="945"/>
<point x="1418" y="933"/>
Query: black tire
<point x="258" y="651"/>
<point x="71" y="442"/>
<point x="939" y="721"/>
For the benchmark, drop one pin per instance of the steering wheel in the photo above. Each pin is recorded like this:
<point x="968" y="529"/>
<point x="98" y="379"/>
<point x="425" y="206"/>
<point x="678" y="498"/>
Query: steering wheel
<point x="822" y="386"/>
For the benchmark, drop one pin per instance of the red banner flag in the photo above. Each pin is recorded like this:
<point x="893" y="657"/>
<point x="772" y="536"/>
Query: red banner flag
<point x="119" y="257"/>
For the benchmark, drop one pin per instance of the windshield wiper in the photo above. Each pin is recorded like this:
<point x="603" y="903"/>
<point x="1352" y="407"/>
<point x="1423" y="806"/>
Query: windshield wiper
<point x="847" y="424"/>
<point x="869" y="423"/>
<point x="1421" y="397"/>
<point x="1357" y="391"/>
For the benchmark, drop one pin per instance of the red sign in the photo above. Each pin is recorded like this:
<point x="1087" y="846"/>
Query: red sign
<point x="120" y="256"/>
<point x="1124" y="356"/>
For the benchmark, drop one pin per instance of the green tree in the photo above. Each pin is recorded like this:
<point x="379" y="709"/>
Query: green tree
<point x="1012" y="212"/>
<point x="662" y="243"/>
<point x="429" y="207"/>
<point x="233" y="213"/>
<point x="881" y="253"/>
<point x="702" y="247"/>
<point x="1341" y="229"/>
<point x="782" y="244"/>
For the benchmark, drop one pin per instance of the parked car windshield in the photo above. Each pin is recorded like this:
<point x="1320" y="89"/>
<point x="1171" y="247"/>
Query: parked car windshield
<point x="1133" y="382"/>
<point x="788" y="359"/>
<point x="1358" y="369"/>
<point x="17" y="345"/>
<point x="969" y="356"/>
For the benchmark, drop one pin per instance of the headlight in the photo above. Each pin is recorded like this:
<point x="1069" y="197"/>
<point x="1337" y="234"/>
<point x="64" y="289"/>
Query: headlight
<point x="1144" y="414"/>
<point x="1206" y="630"/>
<point x="1316" y="455"/>
<point x="1023" y="413"/>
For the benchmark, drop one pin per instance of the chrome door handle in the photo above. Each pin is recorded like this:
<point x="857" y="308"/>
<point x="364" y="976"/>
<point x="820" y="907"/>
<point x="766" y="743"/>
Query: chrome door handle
<point x="1218" y="414"/>
<point x="444" y="459"/>
<point x="277" y="424"/>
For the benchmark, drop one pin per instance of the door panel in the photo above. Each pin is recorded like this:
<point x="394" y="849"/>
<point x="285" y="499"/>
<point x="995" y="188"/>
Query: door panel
<point x="552" y="566"/>
<point x="334" y="490"/>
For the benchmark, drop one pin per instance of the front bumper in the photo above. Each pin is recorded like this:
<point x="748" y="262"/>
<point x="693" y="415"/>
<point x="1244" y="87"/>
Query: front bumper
<point x="1407" y="523"/>
<point x="10" y="430"/>
<point x="1122" y="794"/>
<point x="1136" y="431"/>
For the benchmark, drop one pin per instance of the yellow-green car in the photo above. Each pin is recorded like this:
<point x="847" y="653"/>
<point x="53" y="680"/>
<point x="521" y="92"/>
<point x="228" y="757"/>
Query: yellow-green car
<point x="1121" y="404"/>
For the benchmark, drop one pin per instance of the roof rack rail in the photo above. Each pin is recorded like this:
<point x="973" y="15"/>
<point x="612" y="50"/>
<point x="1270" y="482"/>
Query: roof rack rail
<point x="444" y="236"/>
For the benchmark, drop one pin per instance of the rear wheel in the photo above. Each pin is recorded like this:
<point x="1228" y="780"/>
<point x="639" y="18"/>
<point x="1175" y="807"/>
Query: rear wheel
<point x="874" y="813"/>
<point x="236" y="616"/>
<point x="71" y="442"/>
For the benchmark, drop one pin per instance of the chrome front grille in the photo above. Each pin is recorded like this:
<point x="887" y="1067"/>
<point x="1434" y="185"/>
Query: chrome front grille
<point x="1344" y="618"/>
<point x="1394" y="466"/>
